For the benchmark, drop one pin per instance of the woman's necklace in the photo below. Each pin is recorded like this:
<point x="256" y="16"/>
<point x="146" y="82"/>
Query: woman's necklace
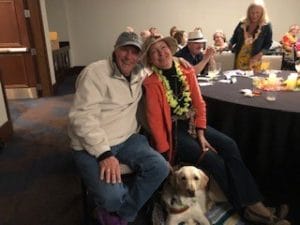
<point x="248" y="36"/>
<point x="180" y="104"/>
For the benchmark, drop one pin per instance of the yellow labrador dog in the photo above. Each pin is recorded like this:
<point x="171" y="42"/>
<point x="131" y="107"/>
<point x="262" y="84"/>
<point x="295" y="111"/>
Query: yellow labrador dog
<point x="185" y="196"/>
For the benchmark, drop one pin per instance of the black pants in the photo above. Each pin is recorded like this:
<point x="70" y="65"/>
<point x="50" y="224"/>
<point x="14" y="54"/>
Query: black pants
<point x="226" y="166"/>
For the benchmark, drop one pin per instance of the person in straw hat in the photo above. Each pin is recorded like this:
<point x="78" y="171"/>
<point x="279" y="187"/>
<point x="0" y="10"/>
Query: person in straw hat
<point x="195" y="53"/>
<point x="176" y="116"/>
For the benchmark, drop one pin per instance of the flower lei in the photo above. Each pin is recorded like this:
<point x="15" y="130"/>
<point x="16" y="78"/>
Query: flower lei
<point x="249" y="39"/>
<point x="180" y="104"/>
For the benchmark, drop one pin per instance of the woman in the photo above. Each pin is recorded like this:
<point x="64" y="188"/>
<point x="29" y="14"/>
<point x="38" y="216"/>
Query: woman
<point x="251" y="37"/>
<point x="289" y="41"/>
<point x="172" y="94"/>
<point x="220" y="43"/>
<point x="181" y="38"/>
<point x="173" y="30"/>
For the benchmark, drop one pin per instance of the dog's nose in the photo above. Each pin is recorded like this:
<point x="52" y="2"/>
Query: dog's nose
<point x="173" y="201"/>
<point x="191" y="193"/>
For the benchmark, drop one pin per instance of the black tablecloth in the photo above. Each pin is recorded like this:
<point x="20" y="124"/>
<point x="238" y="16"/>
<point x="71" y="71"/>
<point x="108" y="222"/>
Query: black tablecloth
<point x="268" y="133"/>
<point x="287" y="101"/>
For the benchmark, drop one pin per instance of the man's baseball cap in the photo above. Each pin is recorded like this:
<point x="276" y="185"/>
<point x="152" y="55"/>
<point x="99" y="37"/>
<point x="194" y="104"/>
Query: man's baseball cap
<point x="128" y="38"/>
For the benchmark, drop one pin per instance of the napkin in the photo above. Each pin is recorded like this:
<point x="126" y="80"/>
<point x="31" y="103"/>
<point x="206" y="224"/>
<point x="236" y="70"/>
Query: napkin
<point x="205" y="83"/>
<point x="228" y="74"/>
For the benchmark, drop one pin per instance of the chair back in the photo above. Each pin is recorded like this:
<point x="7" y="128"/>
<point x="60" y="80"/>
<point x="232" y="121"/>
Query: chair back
<point x="275" y="61"/>
<point x="226" y="59"/>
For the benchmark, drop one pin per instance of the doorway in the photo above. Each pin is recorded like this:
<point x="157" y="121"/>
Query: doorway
<point x="23" y="54"/>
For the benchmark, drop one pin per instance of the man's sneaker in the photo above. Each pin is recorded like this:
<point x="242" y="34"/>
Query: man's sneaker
<point x="106" y="218"/>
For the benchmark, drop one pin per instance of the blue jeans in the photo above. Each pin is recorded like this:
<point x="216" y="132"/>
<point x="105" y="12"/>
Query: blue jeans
<point x="126" y="200"/>
<point x="226" y="167"/>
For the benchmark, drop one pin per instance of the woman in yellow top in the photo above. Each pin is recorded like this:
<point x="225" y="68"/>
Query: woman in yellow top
<point x="251" y="37"/>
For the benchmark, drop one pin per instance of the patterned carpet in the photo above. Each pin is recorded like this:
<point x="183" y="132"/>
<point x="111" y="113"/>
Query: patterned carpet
<point x="39" y="184"/>
<point x="38" y="181"/>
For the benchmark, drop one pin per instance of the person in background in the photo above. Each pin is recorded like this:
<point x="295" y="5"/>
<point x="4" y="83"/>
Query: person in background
<point x="251" y="37"/>
<point x="220" y="43"/>
<point x="104" y="132"/>
<point x="289" y="40"/>
<point x="145" y="34"/>
<point x="298" y="46"/>
<point x="181" y="38"/>
<point x="155" y="32"/>
<point x="198" y="29"/>
<point x="176" y="116"/>
<point x="173" y="30"/>
<point x="195" y="53"/>
<point x="129" y="29"/>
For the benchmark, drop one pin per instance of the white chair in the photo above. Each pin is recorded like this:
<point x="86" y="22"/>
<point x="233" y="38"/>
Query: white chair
<point x="226" y="59"/>
<point x="125" y="169"/>
<point x="275" y="61"/>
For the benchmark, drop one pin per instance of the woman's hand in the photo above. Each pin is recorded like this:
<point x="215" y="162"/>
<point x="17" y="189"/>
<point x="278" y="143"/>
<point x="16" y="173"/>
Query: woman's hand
<point x="204" y="143"/>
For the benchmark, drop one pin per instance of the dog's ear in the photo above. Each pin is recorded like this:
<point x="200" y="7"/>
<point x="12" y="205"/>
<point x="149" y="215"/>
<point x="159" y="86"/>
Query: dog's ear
<point x="172" y="177"/>
<point x="176" y="167"/>
<point x="176" y="177"/>
<point x="204" y="179"/>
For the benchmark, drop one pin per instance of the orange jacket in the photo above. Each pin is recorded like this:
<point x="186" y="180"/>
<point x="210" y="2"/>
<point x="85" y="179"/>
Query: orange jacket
<point x="158" y="111"/>
<point x="288" y="40"/>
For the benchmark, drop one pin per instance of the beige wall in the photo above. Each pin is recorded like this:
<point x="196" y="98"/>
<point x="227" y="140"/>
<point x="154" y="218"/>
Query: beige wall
<point x="57" y="18"/>
<point x="92" y="26"/>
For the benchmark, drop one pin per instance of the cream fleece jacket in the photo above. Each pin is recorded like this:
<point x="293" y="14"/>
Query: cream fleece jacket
<point x="104" y="108"/>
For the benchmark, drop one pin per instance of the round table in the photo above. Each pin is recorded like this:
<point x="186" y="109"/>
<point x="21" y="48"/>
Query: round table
<point x="267" y="132"/>
<point x="287" y="101"/>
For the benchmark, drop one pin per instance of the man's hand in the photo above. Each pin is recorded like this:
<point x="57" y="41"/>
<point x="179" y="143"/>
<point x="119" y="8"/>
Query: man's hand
<point x="209" y="52"/>
<point x="110" y="170"/>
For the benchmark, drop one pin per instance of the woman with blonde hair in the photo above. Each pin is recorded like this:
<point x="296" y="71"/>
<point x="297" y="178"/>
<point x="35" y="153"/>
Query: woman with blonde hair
<point x="252" y="36"/>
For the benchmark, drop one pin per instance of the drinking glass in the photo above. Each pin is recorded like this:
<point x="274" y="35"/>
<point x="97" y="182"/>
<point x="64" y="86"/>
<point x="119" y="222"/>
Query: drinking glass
<point x="214" y="69"/>
<point x="256" y="82"/>
<point x="271" y="95"/>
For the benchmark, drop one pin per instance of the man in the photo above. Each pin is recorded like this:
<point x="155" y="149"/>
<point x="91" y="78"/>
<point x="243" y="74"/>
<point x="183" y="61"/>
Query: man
<point x="193" y="52"/>
<point x="104" y="133"/>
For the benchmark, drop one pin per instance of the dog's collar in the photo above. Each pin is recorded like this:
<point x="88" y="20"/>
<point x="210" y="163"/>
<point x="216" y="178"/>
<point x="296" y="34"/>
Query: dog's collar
<point x="177" y="211"/>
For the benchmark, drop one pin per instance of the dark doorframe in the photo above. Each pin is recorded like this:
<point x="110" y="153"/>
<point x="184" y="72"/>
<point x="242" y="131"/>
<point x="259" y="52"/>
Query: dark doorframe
<point x="23" y="56"/>
<point x="39" y="41"/>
